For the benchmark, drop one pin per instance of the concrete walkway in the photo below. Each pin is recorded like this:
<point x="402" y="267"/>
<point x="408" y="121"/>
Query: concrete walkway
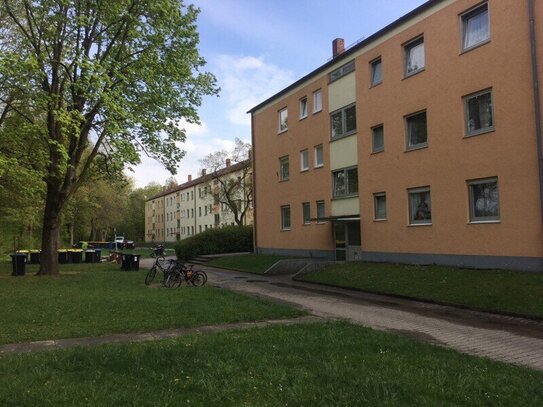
<point x="507" y="339"/>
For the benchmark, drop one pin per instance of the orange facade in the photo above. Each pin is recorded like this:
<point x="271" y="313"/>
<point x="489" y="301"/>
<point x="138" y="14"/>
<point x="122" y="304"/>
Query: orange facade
<point x="457" y="131"/>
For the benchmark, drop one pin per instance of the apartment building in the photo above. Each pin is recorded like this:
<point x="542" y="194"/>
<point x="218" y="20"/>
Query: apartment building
<point x="419" y="144"/>
<point x="198" y="204"/>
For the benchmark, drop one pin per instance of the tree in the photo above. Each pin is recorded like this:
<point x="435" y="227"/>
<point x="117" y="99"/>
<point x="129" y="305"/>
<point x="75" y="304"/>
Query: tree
<point x="105" y="81"/>
<point x="232" y="185"/>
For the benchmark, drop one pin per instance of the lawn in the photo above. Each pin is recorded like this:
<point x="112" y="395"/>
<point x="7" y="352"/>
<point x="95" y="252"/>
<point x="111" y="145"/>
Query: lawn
<point x="96" y="299"/>
<point x="493" y="290"/>
<point x="324" y="364"/>
<point x="252" y="263"/>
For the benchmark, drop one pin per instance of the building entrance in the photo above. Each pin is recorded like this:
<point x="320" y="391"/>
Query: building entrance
<point x="348" y="240"/>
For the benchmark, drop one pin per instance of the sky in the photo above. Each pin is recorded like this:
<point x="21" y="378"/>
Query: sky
<point x="255" y="48"/>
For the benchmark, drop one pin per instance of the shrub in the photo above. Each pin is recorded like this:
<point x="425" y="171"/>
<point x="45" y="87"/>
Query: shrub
<point x="228" y="239"/>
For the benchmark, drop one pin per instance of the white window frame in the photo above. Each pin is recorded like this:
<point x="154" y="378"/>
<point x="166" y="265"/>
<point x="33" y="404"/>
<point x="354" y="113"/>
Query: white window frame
<point x="376" y="197"/>
<point x="304" y="108"/>
<point x="348" y="192"/>
<point x="373" y="69"/>
<point x="481" y="130"/>
<point x="408" y="129"/>
<point x="304" y="160"/>
<point x="284" y="225"/>
<point x="282" y="161"/>
<point x="473" y="218"/>
<point x="408" y="47"/>
<point x="343" y="115"/>
<point x="464" y="20"/>
<point x="317" y="163"/>
<point x="341" y="71"/>
<point x="306" y="213"/>
<point x="413" y="217"/>
<point x="282" y="116"/>
<point x="375" y="149"/>
<point x="321" y="209"/>
<point x="317" y="101"/>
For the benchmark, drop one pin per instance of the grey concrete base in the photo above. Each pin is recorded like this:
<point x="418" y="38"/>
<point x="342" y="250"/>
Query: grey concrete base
<point x="317" y="254"/>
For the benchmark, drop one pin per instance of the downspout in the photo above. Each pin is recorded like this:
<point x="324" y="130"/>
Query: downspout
<point x="195" y="214"/>
<point x="537" y="102"/>
<point x="253" y="160"/>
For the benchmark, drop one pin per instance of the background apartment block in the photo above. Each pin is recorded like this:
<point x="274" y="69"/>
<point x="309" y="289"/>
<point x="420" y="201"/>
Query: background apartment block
<point x="421" y="144"/>
<point x="193" y="207"/>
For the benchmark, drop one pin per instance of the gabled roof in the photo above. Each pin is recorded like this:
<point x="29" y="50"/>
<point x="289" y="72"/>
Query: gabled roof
<point x="205" y="178"/>
<point x="349" y="52"/>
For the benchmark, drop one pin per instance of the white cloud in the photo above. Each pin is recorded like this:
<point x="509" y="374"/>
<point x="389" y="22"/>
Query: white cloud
<point x="246" y="81"/>
<point x="193" y="129"/>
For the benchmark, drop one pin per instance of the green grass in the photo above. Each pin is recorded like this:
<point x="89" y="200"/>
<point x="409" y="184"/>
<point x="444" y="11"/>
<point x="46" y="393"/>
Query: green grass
<point x="96" y="299"/>
<point x="328" y="364"/>
<point x="494" y="290"/>
<point x="252" y="263"/>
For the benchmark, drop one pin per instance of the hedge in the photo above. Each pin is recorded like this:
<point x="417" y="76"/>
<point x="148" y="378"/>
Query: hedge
<point x="228" y="239"/>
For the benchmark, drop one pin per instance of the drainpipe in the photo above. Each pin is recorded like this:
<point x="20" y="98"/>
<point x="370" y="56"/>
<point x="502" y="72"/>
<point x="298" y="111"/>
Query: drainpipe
<point x="537" y="103"/>
<point x="253" y="160"/>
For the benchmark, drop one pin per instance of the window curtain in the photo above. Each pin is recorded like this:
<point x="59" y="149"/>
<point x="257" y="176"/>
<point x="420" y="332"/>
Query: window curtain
<point x="476" y="29"/>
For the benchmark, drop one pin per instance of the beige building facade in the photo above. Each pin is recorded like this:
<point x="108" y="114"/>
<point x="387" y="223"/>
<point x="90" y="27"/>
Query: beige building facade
<point x="195" y="206"/>
<point x="420" y="144"/>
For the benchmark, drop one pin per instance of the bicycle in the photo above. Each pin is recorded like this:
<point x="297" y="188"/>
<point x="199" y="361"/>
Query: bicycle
<point x="181" y="272"/>
<point x="160" y="260"/>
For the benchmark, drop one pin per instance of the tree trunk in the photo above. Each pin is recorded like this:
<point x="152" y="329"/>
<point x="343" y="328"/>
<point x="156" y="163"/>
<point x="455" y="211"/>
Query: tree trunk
<point x="71" y="233"/>
<point x="49" y="241"/>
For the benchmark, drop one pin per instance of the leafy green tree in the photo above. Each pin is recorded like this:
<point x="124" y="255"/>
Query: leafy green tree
<point x="110" y="77"/>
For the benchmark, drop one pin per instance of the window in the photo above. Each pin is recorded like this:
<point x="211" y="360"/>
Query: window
<point x="303" y="108"/>
<point x="199" y="211"/>
<point x="317" y="101"/>
<point x="217" y="219"/>
<point x="304" y="160"/>
<point x="376" y="72"/>
<point x="420" y="207"/>
<point x="380" y="206"/>
<point x="378" y="138"/>
<point x="475" y="27"/>
<point x="284" y="168"/>
<point x="417" y="133"/>
<point x="345" y="182"/>
<point x="283" y="120"/>
<point x="306" y="209"/>
<point x="478" y="112"/>
<point x="319" y="158"/>
<point x="341" y="71"/>
<point x="343" y="121"/>
<point x="285" y="217"/>
<point x="320" y="211"/>
<point x="414" y="56"/>
<point x="484" y="203"/>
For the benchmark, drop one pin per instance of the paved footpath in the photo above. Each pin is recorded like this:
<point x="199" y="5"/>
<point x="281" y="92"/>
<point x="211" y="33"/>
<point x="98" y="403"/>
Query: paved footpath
<point x="507" y="339"/>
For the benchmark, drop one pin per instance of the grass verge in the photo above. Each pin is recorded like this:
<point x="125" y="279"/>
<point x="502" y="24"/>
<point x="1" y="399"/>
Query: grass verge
<point x="81" y="302"/>
<point x="305" y="365"/>
<point x="493" y="290"/>
<point x="252" y="263"/>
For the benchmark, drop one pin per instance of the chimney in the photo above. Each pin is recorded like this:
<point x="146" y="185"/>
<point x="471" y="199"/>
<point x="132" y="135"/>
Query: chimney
<point x="338" y="46"/>
<point x="190" y="177"/>
<point x="228" y="162"/>
<point x="204" y="172"/>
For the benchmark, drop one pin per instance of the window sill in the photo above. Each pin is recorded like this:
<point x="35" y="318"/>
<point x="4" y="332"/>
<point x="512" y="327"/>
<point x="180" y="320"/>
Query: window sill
<point x="317" y="111"/>
<point x="304" y="170"/>
<point x="321" y="223"/>
<point x="466" y="50"/>
<point x="415" y="148"/>
<point x="413" y="73"/>
<point x="374" y="85"/>
<point x="302" y="118"/>
<point x="480" y="132"/>
<point x="306" y="224"/>
<point x="318" y="166"/>
<point x="378" y="152"/>
<point x="419" y="224"/>
<point x="482" y="222"/>
<point x="284" y="180"/>
<point x="380" y="220"/>
<point x="349" y="196"/>
<point x="286" y="230"/>
<point x="282" y="131"/>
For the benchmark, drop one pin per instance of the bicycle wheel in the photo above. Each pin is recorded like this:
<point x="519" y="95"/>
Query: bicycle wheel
<point x="198" y="278"/>
<point x="150" y="275"/>
<point x="172" y="279"/>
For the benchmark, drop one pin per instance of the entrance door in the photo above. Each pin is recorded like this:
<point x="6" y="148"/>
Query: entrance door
<point x="348" y="240"/>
